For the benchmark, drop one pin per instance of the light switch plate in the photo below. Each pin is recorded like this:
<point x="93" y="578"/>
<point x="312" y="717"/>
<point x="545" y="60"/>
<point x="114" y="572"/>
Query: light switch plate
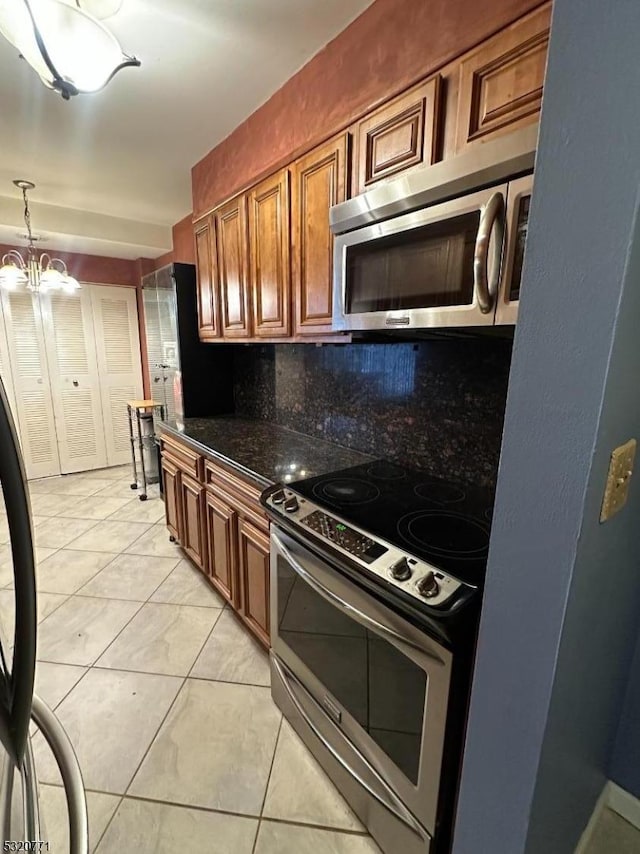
<point x="617" y="488"/>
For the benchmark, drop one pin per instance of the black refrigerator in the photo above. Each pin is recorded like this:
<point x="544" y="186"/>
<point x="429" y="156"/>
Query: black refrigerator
<point x="191" y="379"/>
<point x="19" y="705"/>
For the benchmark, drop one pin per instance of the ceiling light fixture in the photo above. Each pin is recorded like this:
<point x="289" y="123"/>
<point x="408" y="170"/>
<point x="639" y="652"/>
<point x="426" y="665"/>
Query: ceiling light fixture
<point x="38" y="273"/>
<point x="71" y="50"/>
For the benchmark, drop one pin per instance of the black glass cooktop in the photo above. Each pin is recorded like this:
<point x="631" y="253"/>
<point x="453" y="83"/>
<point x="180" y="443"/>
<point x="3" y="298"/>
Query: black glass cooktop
<point x="447" y="524"/>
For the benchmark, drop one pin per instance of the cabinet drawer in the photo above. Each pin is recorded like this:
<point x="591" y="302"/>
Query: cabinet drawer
<point x="182" y="456"/>
<point x="244" y="496"/>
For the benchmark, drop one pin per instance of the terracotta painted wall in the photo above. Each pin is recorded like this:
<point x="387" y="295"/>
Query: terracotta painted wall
<point x="93" y="268"/>
<point x="390" y="46"/>
<point x="183" y="248"/>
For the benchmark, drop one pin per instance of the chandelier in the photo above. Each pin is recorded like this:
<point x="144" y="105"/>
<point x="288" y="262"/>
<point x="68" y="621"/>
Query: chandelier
<point x="68" y="47"/>
<point x="38" y="273"/>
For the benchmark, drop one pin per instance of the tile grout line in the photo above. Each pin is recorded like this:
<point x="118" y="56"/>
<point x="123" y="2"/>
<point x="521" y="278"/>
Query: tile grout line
<point x="266" y="788"/>
<point x="97" y="666"/>
<point x="195" y="660"/>
<point x="217" y="811"/>
<point x="107" y="825"/>
<point x="114" y="639"/>
<point x="118" y="598"/>
<point x="155" y="735"/>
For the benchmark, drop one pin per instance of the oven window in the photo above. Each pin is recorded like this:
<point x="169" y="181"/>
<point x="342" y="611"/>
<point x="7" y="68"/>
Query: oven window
<point x="425" y="267"/>
<point x="522" y="224"/>
<point x="379" y="686"/>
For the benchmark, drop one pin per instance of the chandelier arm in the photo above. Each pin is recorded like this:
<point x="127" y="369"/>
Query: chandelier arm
<point x="65" y="88"/>
<point x="16" y="257"/>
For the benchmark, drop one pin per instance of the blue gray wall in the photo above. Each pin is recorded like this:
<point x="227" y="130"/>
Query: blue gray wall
<point x="563" y="591"/>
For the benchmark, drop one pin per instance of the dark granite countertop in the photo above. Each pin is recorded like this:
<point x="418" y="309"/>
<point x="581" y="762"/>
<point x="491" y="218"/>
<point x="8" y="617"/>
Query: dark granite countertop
<point x="264" y="452"/>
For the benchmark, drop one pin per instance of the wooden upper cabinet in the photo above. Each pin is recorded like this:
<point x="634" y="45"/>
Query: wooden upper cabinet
<point x="269" y="253"/>
<point x="208" y="320"/>
<point x="232" y="262"/>
<point x="320" y="180"/>
<point x="501" y="82"/>
<point x="399" y="135"/>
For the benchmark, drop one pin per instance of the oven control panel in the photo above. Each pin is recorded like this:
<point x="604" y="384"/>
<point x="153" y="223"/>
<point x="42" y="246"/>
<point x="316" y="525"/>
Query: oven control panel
<point x="415" y="577"/>
<point x="343" y="535"/>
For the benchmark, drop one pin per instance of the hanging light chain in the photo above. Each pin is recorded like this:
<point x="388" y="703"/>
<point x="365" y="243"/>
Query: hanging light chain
<point x="27" y="220"/>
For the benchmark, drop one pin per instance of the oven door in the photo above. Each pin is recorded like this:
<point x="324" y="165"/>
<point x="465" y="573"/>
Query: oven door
<point x="435" y="267"/>
<point x="379" y="679"/>
<point x="518" y="202"/>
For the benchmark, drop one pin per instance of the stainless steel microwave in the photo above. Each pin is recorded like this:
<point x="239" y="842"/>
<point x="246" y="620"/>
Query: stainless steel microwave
<point x="440" y="248"/>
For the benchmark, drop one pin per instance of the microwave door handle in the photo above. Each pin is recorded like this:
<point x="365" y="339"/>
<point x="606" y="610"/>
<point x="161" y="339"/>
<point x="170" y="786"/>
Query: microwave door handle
<point x="345" y="607"/>
<point x="492" y="217"/>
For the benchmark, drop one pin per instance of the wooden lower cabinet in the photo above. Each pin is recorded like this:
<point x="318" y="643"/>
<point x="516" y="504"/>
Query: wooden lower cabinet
<point x="222" y="537"/>
<point x="171" y="479"/>
<point x="254" y="579"/>
<point x="217" y="519"/>
<point x="193" y="538"/>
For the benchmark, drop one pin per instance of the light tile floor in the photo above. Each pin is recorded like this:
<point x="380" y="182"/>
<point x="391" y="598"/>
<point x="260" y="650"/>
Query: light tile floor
<point x="163" y="693"/>
<point x="614" y="835"/>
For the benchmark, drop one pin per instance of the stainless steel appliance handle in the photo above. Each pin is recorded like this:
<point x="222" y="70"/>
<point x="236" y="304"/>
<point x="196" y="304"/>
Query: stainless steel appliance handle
<point x="381" y="793"/>
<point x="14" y="718"/>
<point x="345" y="607"/>
<point x="65" y="756"/>
<point x="492" y="217"/>
<point x="31" y="810"/>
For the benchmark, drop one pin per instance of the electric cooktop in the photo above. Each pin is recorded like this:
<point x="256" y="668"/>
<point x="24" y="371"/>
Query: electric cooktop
<point x="444" y="524"/>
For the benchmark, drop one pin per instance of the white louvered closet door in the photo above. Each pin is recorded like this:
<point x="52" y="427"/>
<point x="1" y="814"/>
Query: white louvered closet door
<point x="32" y="390"/>
<point x="115" y="317"/>
<point x="75" y="386"/>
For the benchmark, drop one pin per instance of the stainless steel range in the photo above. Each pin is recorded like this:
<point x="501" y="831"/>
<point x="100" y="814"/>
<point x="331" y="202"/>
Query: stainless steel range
<point x="376" y="574"/>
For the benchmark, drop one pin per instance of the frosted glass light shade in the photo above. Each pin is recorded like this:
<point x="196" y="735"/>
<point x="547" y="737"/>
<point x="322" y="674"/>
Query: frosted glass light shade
<point x="83" y="55"/>
<point x="12" y="276"/>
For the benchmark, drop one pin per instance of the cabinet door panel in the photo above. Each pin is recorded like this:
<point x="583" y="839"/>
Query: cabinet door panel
<point x="399" y="135"/>
<point x="319" y="181"/>
<point x="171" y="481"/>
<point x="192" y="507"/>
<point x="270" y="256"/>
<point x="222" y="527"/>
<point x="501" y="81"/>
<point x="254" y="579"/>
<point x="208" y="321"/>
<point x="231" y="230"/>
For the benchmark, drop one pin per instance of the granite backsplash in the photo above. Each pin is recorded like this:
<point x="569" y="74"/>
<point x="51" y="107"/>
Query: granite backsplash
<point x="437" y="405"/>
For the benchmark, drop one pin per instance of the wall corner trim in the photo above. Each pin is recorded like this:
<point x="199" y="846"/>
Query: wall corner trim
<point x="624" y="803"/>
<point x="615" y="798"/>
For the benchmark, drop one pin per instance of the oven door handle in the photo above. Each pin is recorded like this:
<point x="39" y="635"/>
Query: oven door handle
<point x="492" y="217"/>
<point x="350" y="610"/>
<point x="375" y="786"/>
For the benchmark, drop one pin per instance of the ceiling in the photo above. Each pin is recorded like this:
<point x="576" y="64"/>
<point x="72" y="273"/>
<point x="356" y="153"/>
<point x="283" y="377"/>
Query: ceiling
<point x="113" y="169"/>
